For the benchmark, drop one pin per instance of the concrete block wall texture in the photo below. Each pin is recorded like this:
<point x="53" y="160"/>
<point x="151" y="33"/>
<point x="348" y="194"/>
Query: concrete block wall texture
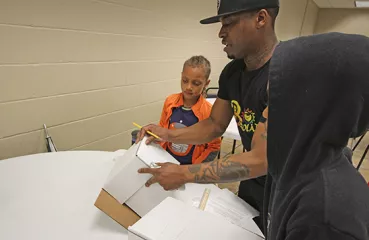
<point x="296" y="18"/>
<point x="88" y="68"/>
<point x="354" y="21"/>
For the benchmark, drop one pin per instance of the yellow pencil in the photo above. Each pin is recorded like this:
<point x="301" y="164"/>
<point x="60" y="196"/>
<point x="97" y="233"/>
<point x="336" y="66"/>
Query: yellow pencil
<point x="152" y="134"/>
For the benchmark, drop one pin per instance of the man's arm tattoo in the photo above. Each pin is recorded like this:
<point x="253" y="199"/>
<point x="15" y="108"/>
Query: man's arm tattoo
<point x="223" y="170"/>
<point x="194" y="168"/>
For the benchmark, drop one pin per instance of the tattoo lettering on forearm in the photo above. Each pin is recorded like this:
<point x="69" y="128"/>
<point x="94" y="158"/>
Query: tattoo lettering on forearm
<point x="223" y="170"/>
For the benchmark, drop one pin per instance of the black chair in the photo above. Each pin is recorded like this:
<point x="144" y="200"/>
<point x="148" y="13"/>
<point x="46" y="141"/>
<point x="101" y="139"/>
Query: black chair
<point x="134" y="136"/>
<point x="211" y="95"/>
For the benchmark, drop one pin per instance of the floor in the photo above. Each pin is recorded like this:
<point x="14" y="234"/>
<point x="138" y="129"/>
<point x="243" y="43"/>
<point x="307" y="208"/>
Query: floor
<point x="227" y="144"/>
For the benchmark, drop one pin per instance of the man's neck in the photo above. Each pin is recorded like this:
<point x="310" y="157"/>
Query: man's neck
<point x="264" y="53"/>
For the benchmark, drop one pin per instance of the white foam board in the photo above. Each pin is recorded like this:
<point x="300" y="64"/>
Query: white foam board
<point x="174" y="220"/>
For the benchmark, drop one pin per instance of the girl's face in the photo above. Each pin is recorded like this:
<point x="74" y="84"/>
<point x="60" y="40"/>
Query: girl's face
<point x="193" y="82"/>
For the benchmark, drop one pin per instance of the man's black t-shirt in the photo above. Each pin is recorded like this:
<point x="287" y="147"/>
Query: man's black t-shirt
<point x="246" y="90"/>
<point x="247" y="93"/>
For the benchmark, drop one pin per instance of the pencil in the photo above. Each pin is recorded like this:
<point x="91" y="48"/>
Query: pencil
<point x="152" y="134"/>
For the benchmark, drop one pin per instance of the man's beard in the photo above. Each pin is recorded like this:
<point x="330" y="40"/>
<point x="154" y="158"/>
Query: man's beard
<point x="231" y="56"/>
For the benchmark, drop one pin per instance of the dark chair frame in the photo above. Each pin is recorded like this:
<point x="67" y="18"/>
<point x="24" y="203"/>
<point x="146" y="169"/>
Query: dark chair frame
<point x="365" y="151"/>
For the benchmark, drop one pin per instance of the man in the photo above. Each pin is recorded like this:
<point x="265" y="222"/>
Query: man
<point x="248" y="35"/>
<point x="315" y="82"/>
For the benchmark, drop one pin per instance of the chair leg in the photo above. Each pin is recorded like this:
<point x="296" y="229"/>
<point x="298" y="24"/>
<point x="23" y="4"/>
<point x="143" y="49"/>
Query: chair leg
<point x="234" y="146"/>
<point x="362" y="158"/>
<point x="221" y="139"/>
<point x="358" y="142"/>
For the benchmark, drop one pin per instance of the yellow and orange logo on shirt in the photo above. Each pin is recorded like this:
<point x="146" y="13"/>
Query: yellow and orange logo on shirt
<point x="245" y="119"/>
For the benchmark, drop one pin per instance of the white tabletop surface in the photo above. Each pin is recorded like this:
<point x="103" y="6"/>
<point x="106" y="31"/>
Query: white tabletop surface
<point x="51" y="196"/>
<point x="232" y="130"/>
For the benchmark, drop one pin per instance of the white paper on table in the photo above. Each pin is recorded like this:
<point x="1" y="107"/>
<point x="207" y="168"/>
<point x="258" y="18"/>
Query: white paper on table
<point x="224" y="197"/>
<point x="239" y="217"/>
<point x="234" y="209"/>
<point x="238" y="203"/>
<point x="223" y="203"/>
<point x="174" y="220"/>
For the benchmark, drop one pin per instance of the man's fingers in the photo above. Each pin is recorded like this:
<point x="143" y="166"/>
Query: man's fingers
<point x="150" y="140"/>
<point x="158" y="140"/>
<point x="148" y="170"/>
<point x="161" y="164"/>
<point x="140" y="135"/>
<point x="143" y="132"/>
<point x="151" y="181"/>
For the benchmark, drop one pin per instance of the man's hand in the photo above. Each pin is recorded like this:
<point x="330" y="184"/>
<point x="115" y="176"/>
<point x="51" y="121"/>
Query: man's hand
<point x="157" y="130"/>
<point x="170" y="176"/>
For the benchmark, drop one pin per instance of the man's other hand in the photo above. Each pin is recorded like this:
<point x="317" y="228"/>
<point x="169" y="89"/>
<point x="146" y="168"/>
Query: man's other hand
<point x="170" y="176"/>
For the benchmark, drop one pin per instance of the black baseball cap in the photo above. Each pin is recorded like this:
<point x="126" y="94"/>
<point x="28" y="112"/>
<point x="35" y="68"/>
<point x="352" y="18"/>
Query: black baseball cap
<point x="228" y="7"/>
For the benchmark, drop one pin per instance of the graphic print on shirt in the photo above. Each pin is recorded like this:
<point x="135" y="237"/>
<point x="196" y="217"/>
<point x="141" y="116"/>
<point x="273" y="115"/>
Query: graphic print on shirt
<point x="182" y="117"/>
<point x="245" y="119"/>
<point x="179" y="149"/>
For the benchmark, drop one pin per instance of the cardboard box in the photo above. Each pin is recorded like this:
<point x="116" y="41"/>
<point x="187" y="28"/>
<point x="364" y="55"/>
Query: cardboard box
<point x="124" y="196"/>
<point x="174" y="220"/>
<point x="122" y="214"/>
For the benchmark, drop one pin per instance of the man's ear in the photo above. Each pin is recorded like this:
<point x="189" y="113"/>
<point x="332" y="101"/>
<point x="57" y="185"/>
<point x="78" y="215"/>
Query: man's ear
<point x="261" y="18"/>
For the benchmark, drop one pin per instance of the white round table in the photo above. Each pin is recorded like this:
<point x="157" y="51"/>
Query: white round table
<point x="52" y="195"/>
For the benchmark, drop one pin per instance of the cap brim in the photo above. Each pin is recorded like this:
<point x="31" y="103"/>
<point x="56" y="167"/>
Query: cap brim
<point x="211" y="20"/>
<point x="216" y="18"/>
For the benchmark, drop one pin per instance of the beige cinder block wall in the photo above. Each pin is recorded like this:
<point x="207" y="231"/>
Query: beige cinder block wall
<point x="88" y="68"/>
<point x="296" y="18"/>
<point x="355" y="21"/>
